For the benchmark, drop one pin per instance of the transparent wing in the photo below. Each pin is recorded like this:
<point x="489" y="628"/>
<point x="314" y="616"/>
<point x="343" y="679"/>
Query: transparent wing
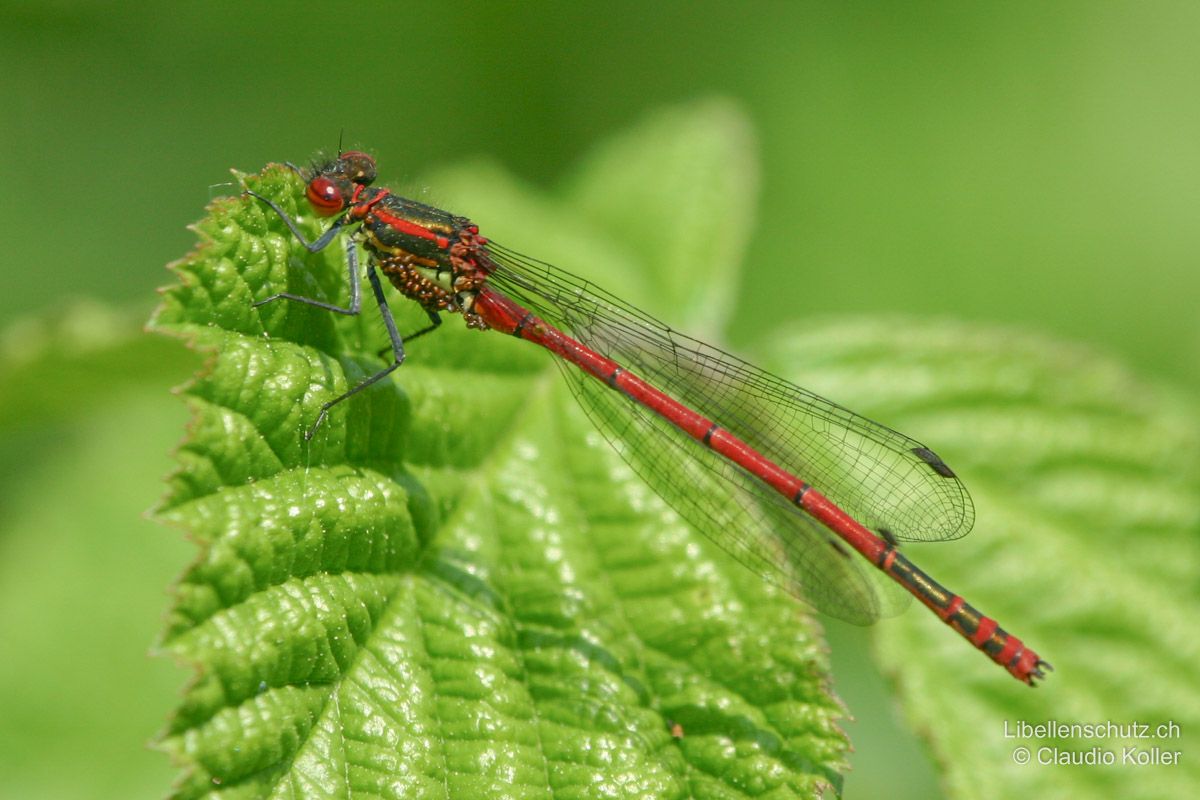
<point x="886" y="480"/>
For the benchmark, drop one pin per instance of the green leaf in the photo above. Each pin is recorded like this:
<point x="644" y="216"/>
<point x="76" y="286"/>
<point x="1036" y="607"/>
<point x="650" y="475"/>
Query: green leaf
<point x="456" y="589"/>
<point x="1086" y="482"/>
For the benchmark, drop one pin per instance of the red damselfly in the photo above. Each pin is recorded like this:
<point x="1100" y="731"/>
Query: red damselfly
<point x="809" y="480"/>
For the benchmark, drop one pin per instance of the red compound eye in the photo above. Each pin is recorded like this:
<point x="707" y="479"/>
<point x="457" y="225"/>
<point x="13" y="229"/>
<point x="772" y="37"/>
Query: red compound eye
<point x="324" y="196"/>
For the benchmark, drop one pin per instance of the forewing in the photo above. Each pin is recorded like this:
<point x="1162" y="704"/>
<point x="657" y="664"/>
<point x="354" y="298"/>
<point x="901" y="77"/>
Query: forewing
<point x="884" y="479"/>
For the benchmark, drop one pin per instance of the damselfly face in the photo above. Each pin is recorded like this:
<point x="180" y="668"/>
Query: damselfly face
<point x="333" y="186"/>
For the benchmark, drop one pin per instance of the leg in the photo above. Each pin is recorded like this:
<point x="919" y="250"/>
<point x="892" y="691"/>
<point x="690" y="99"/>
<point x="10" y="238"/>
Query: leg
<point x="355" y="297"/>
<point x="434" y="319"/>
<point x="397" y="351"/>
<point x="312" y="247"/>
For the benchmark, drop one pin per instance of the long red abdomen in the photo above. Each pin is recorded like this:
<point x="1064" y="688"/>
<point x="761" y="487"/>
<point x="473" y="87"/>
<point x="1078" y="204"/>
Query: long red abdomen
<point x="1007" y="650"/>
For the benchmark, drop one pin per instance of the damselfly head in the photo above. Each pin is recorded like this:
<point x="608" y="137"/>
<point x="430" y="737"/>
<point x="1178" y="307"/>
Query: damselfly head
<point x="332" y="185"/>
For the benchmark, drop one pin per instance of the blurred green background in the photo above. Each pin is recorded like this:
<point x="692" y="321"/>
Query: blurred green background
<point x="1032" y="164"/>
